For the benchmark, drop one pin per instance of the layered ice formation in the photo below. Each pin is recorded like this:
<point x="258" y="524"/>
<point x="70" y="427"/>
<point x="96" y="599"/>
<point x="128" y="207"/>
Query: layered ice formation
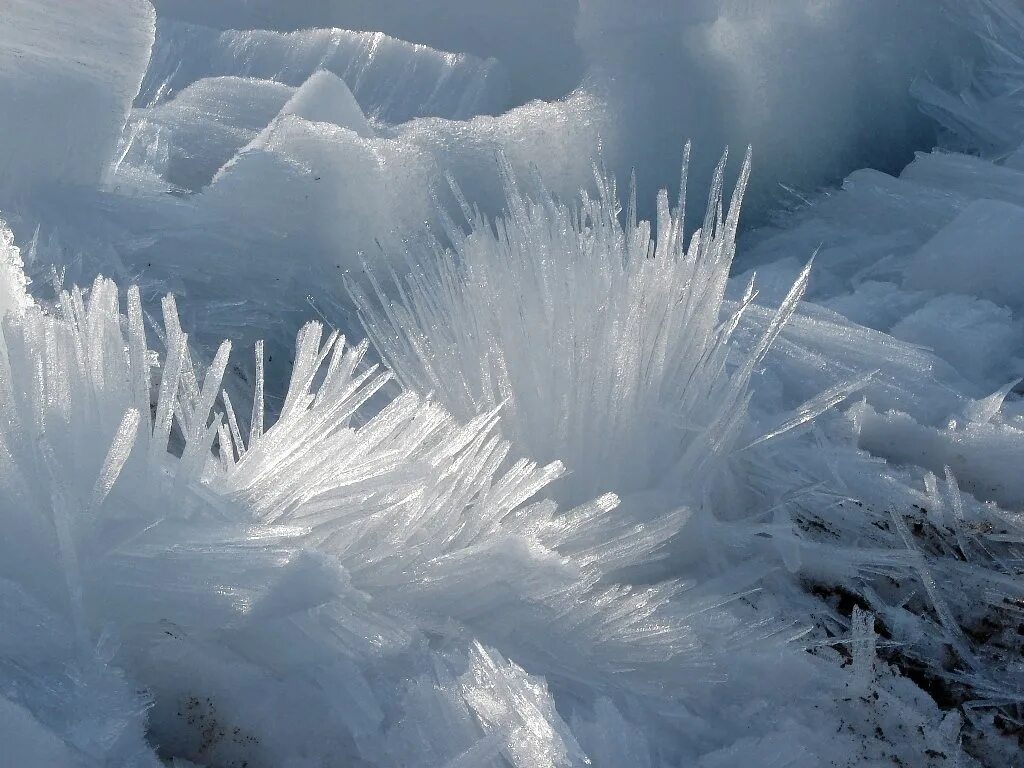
<point x="393" y="80"/>
<point x="616" y="478"/>
<point x="70" y="74"/>
<point x="532" y="38"/>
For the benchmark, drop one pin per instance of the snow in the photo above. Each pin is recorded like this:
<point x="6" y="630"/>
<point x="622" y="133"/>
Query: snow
<point x="359" y="406"/>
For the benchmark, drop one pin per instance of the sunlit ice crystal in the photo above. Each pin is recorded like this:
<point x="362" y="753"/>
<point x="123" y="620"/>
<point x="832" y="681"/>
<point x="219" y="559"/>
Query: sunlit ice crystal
<point x="604" y="340"/>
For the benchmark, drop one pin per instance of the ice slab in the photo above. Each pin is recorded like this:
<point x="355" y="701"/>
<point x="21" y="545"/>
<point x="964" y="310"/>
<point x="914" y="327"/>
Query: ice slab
<point x="985" y="458"/>
<point x="27" y="742"/>
<point x="979" y="253"/>
<point x="359" y="197"/>
<point x="790" y="77"/>
<point x="977" y="337"/>
<point x="984" y="112"/>
<point x="68" y="75"/>
<point x="392" y="80"/>
<point x="188" y="138"/>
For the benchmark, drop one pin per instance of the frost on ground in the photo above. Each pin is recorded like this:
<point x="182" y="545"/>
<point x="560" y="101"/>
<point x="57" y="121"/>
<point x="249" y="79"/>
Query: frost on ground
<point x="594" y="490"/>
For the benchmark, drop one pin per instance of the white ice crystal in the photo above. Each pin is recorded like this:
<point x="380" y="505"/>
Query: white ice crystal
<point x="625" y="505"/>
<point x="134" y="544"/>
<point x="605" y="344"/>
<point x="318" y="562"/>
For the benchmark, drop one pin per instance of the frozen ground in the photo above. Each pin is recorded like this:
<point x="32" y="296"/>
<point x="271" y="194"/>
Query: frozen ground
<point x="727" y="475"/>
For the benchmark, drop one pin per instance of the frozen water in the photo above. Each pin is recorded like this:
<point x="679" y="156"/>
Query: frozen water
<point x="819" y="89"/>
<point x="68" y="75"/>
<point x="622" y="493"/>
<point x="532" y="38"/>
<point x="190" y="137"/>
<point x="982" y="109"/>
<point x="392" y="80"/>
<point x="253" y="592"/>
<point x="975" y="254"/>
<point x="546" y="283"/>
<point x="14" y="296"/>
<point x="324" y="98"/>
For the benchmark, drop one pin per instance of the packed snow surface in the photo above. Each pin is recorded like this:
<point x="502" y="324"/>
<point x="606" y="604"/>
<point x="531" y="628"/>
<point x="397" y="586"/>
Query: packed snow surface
<point x="375" y="391"/>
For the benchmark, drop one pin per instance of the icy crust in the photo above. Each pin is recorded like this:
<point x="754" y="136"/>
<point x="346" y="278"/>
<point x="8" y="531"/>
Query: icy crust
<point x="68" y="75"/>
<point x="392" y="80"/>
